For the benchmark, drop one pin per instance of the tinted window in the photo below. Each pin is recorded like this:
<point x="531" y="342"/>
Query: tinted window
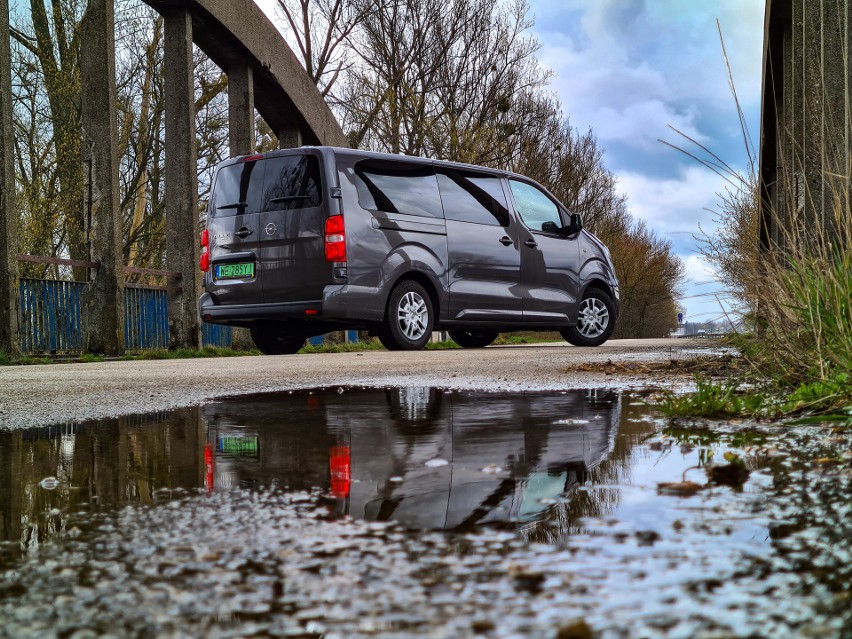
<point x="534" y="207"/>
<point x="292" y="182"/>
<point x="238" y="189"/>
<point x="469" y="196"/>
<point x="398" y="187"/>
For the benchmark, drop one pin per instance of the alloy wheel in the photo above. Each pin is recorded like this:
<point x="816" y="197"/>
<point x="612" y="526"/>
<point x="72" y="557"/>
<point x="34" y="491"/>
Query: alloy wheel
<point x="593" y="319"/>
<point x="412" y="315"/>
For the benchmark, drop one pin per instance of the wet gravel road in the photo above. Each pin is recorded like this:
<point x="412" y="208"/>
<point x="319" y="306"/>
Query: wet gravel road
<point x="39" y="395"/>
<point x="530" y="510"/>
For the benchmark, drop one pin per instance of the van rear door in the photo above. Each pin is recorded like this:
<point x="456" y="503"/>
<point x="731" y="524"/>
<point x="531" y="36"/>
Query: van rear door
<point x="233" y="227"/>
<point x="292" y="230"/>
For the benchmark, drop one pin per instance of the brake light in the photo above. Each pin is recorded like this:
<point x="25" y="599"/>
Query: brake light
<point x="204" y="262"/>
<point x="335" y="239"/>
<point x="253" y="158"/>
<point x="340" y="469"/>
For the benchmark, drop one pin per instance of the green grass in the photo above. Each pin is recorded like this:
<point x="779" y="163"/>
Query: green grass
<point x="442" y="346"/>
<point x="87" y="358"/>
<point x="346" y="347"/>
<point x="527" y="337"/>
<point x="713" y="400"/>
<point x="22" y="360"/>
<point x="189" y="353"/>
<point x="372" y="344"/>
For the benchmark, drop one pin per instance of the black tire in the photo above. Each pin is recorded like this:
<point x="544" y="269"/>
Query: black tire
<point x="473" y="339"/>
<point x="408" y="319"/>
<point x="277" y="338"/>
<point x="595" y="320"/>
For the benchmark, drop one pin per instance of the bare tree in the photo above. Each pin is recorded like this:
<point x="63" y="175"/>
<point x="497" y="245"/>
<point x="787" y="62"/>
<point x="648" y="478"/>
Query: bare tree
<point x="46" y="37"/>
<point x="320" y="30"/>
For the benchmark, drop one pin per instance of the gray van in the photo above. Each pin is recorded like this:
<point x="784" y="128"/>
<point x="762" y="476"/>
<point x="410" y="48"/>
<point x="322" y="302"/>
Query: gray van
<point x="301" y="242"/>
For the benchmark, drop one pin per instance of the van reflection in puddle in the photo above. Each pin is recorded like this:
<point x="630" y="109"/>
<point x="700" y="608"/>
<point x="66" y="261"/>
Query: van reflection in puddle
<point x="424" y="457"/>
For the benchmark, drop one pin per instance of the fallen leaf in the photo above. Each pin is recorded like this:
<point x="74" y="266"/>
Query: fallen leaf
<point x="680" y="488"/>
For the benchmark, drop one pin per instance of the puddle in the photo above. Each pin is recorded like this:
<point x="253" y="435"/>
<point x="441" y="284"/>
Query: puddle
<point x="433" y="512"/>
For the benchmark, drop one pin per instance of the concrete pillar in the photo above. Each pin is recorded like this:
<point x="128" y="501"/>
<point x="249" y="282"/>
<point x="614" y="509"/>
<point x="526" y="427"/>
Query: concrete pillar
<point x="289" y="138"/>
<point x="103" y="298"/>
<point x="241" y="109"/>
<point x="9" y="300"/>
<point x="182" y="228"/>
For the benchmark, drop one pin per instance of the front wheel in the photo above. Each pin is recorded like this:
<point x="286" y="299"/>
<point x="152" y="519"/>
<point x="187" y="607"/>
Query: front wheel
<point x="595" y="321"/>
<point x="408" y="319"/>
<point x="277" y="338"/>
<point x="473" y="339"/>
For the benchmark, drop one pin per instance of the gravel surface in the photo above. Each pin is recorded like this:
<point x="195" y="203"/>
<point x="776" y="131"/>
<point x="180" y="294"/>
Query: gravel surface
<point x="40" y="395"/>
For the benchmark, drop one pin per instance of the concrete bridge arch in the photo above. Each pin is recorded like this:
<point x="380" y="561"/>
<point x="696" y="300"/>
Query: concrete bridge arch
<point x="263" y="73"/>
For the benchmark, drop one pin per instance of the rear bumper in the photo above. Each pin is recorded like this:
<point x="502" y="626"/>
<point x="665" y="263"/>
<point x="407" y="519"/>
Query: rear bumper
<point x="339" y="303"/>
<point x="240" y="314"/>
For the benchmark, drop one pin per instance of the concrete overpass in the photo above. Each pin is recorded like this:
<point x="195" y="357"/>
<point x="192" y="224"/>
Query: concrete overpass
<point x="806" y="118"/>
<point x="263" y="73"/>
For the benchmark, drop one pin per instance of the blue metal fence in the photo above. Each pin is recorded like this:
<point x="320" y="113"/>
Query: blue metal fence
<point x="217" y="335"/>
<point x="50" y="313"/>
<point x="146" y="318"/>
<point x="50" y="316"/>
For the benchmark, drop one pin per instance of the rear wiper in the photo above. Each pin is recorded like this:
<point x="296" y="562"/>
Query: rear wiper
<point x="288" y="198"/>
<point x="235" y="205"/>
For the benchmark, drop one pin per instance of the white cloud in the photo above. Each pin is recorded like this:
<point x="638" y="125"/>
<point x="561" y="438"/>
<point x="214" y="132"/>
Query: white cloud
<point x="698" y="271"/>
<point x="676" y="205"/>
<point x="630" y="68"/>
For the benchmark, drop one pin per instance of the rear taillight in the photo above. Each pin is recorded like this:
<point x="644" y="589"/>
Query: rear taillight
<point x="340" y="469"/>
<point x="204" y="262"/>
<point x="335" y="239"/>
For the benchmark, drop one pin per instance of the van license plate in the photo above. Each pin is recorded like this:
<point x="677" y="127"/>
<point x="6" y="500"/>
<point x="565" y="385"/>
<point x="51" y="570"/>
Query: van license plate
<point x="228" y="271"/>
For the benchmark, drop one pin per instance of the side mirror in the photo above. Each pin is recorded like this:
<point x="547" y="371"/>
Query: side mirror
<point x="575" y="225"/>
<point x="550" y="227"/>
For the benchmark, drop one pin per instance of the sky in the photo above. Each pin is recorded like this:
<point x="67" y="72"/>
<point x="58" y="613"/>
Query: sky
<point x="630" y="69"/>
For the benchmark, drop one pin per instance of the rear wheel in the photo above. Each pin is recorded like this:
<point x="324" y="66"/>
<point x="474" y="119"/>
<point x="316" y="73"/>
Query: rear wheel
<point x="408" y="320"/>
<point x="473" y="339"/>
<point x="277" y="338"/>
<point x="595" y="321"/>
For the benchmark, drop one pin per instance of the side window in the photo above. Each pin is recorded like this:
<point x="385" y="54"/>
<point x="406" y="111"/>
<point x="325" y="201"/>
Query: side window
<point x="238" y="189"/>
<point x="398" y="187"/>
<point x="469" y="196"/>
<point x="292" y="182"/>
<point x="534" y="207"/>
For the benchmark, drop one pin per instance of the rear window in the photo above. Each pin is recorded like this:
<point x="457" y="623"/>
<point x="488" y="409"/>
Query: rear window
<point x="469" y="196"/>
<point x="292" y="182"/>
<point x="398" y="187"/>
<point x="238" y="189"/>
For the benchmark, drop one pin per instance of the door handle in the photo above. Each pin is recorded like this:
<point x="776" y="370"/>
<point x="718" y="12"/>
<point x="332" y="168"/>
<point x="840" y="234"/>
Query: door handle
<point x="505" y="240"/>
<point x="531" y="243"/>
<point x="243" y="232"/>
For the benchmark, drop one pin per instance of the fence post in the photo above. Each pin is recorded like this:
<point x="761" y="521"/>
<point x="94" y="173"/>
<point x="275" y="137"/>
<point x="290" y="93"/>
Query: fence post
<point x="9" y="296"/>
<point x="182" y="250"/>
<point x="103" y="297"/>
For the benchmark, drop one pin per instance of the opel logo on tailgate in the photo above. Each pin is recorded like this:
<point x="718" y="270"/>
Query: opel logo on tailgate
<point x="270" y="229"/>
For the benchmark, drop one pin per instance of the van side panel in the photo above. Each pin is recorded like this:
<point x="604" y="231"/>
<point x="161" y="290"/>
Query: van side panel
<point x="381" y="248"/>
